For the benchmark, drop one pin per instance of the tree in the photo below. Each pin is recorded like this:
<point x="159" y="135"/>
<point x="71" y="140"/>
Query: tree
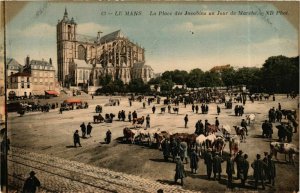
<point x="166" y="85"/>
<point x="228" y="76"/>
<point x="281" y="74"/>
<point x="194" y="78"/>
<point x="138" y="86"/>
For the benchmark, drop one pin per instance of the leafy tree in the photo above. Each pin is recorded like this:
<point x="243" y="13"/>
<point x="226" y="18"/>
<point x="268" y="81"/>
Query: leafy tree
<point x="194" y="78"/>
<point x="138" y="85"/>
<point x="228" y="76"/>
<point x="166" y="85"/>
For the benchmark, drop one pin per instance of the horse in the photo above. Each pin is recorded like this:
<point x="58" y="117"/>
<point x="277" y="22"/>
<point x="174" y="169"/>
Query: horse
<point x="129" y="135"/>
<point x="250" y="118"/>
<point x="139" y="121"/>
<point x="212" y="129"/>
<point x="219" y="145"/>
<point x="160" y="136"/>
<point x="176" y="109"/>
<point x="286" y="112"/>
<point x="226" y="130"/>
<point x="234" y="144"/>
<point x="284" y="148"/>
<point x="210" y="139"/>
<point x="163" y="110"/>
<point x="241" y="131"/>
<point x="200" y="144"/>
<point x="98" y="118"/>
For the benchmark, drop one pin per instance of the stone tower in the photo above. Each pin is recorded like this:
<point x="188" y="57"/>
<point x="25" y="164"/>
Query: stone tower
<point x="66" y="39"/>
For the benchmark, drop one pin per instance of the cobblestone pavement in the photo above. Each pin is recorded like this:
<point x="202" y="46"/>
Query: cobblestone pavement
<point x="60" y="175"/>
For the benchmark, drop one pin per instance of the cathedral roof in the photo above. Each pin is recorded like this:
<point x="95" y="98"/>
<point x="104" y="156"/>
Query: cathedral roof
<point x="141" y="65"/>
<point x="112" y="36"/>
<point x="82" y="64"/>
<point x="105" y="39"/>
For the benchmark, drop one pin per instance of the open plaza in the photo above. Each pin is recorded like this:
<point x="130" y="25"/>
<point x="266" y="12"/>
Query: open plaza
<point x="50" y="136"/>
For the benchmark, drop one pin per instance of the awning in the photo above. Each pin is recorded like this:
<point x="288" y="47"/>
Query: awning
<point x="51" y="92"/>
<point x="72" y="100"/>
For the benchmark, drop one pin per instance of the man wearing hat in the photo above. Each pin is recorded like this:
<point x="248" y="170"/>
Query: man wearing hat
<point x="259" y="173"/>
<point x="244" y="124"/>
<point x="244" y="170"/>
<point x="76" y="139"/>
<point x="194" y="161"/>
<point x="230" y="170"/>
<point x="108" y="137"/>
<point x="217" y="166"/>
<point x="217" y="123"/>
<point x="180" y="173"/>
<point x="208" y="160"/>
<point x="31" y="183"/>
<point x="239" y="159"/>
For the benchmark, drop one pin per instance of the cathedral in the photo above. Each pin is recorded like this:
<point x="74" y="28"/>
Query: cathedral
<point x="82" y="60"/>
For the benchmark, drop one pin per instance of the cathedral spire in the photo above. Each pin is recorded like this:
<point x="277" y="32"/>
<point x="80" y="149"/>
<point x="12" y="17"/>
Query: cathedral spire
<point x="65" y="15"/>
<point x="66" y="12"/>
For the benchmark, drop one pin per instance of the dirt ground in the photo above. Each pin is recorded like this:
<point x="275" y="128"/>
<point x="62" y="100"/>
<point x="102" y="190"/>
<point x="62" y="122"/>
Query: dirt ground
<point x="52" y="133"/>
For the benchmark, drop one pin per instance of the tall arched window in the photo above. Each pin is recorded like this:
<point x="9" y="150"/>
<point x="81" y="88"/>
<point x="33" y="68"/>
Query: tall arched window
<point x="69" y="32"/>
<point x="81" y="52"/>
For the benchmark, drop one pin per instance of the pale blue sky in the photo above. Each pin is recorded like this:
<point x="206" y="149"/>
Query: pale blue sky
<point x="168" y="40"/>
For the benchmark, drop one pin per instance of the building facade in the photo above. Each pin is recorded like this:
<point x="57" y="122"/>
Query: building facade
<point x="42" y="76"/>
<point x="83" y="60"/>
<point x="19" y="84"/>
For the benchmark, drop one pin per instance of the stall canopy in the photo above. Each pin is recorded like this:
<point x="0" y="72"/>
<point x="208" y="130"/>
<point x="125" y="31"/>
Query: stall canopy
<point x="51" y="92"/>
<point x="72" y="100"/>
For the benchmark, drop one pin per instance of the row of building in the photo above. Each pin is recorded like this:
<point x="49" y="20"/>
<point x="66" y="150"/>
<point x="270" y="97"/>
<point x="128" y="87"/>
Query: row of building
<point x="81" y="63"/>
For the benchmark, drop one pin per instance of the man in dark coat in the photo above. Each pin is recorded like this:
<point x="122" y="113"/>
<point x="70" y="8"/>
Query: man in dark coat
<point x="194" y="161"/>
<point x="83" y="129"/>
<point x="31" y="183"/>
<point x="197" y="109"/>
<point x="217" y="123"/>
<point x="129" y="116"/>
<point x="76" y="139"/>
<point x="278" y="115"/>
<point x="206" y="124"/>
<point x="289" y="133"/>
<point x="239" y="160"/>
<point x="108" y="137"/>
<point x="218" y="109"/>
<point x="230" y="171"/>
<point x="244" y="170"/>
<point x="271" y="170"/>
<point x="208" y="160"/>
<point x="244" y="124"/>
<point x="206" y="109"/>
<point x="217" y="166"/>
<point x="134" y="116"/>
<point x="186" y="119"/>
<point x="193" y="107"/>
<point x="259" y="171"/>
<point x="153" y="109"/>
<point x="166" y="149"/>
<point x="264" y="128"/>
<point x="197" y="126"/>
<point x="89" y="129"/>
<point x="180" y="173"/>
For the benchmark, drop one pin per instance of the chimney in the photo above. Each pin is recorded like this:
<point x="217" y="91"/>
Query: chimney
<point x="27" y="60"/>
<point x="50" y="61"/>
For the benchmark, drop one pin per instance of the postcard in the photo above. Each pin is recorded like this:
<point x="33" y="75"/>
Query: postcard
<point x="160" y="96"/>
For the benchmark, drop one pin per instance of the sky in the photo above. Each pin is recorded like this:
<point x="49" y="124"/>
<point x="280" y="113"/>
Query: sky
<point x="171" y="42"/>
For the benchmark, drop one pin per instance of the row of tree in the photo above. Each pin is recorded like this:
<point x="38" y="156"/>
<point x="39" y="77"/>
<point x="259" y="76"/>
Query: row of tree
<point x="279" y="74"/>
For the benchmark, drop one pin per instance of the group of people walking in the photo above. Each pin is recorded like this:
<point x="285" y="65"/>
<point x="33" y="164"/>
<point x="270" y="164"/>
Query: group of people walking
<point x="263" y="169"/>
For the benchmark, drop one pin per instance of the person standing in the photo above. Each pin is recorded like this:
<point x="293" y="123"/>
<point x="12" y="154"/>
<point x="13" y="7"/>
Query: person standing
<point x="217" y="123"/>
<point x="183" y="151"/>
<point x="76" y="139"/>
<point x="244" y="124"/>
<point x="271" y="170"/>
<point x="108" y="137"/>
<point x="208" y="160"/>
<point x="218" y="110"/>
<point x="153" y="109"/>
<point x="259" y="167"/>
<point x="279" y="106"/>
<point x="197" y="109"/>
<point x="217" y="166"/>
<point x="134" y="116"/>
<point x="239" y="159"/>
<point x="244" y="170"/>
<point x="129" y="116"/>
<point x="230" y="171"/>
<point x="89" y="129"/>
<point x="186" y="119"/>
<point x="31" y="183"/>
<point x="144" y="105"/>
<point x="148" y="121"/>
<point x="194" y="161"/>
<point x="166" y="149"/>
<point x="193" y="107"/>
<point x="83" y="129"/>
<point x="180" y="173"/>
